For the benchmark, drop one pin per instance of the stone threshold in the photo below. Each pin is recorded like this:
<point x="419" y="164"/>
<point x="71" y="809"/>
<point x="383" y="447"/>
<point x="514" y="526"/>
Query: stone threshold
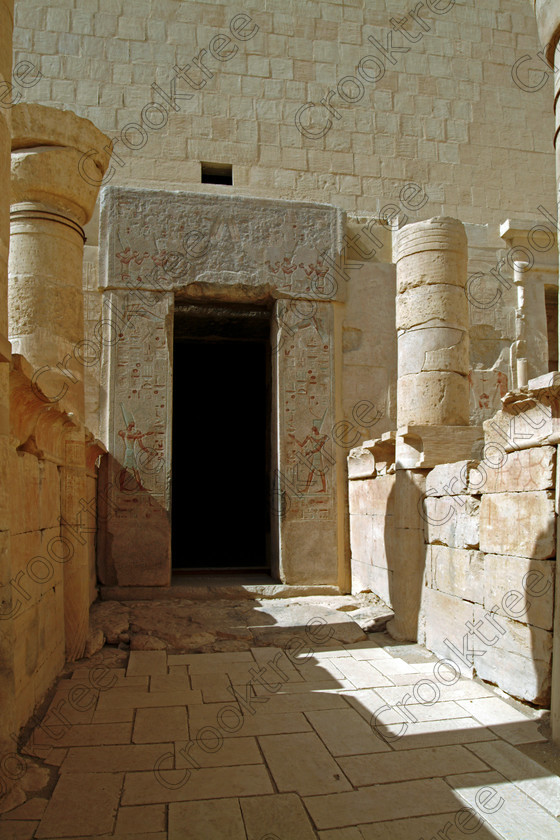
<point x="213" y="587"/>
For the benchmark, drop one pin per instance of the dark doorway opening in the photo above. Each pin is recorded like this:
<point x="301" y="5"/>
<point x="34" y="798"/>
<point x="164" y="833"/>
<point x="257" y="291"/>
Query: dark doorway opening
<point x="221" y="438"/>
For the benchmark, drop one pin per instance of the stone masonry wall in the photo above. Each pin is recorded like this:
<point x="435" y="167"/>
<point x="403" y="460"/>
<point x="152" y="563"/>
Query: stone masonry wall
<point x="451" y="125"/>
<point x="490" y="559"/>
<point x="442" y="109"/>
<point x="490" y="534"/>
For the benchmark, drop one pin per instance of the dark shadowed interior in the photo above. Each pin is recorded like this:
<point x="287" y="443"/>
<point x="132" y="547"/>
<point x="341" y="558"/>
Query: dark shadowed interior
<point x="221" y="438"/>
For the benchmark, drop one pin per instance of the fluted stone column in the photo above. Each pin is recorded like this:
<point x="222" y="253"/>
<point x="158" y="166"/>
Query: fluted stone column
<point x="548" y="22"/>
<point x="432" y="324"/>
<point x="50" y="203"/>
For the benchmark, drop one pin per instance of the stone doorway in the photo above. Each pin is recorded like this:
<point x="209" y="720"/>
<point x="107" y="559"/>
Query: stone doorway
<point x="220" y="509"/>
<point x="161" y="250"/>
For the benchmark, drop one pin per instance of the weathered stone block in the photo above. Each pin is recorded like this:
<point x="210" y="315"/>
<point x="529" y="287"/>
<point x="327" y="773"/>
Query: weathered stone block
<point x="433" y="349"/>
<point x="440" y="304"/>
<point x="24" y="498"/>
<point x="515" y="656"/>
<point x="361" y="537"/>
<point x="433" y="397"/>
<point x="361" y="463"/>
<point x="409" y="491"/>
<point x="458" y="572"/>
<point x="372" y="496"/>
<point x="425" y="447"/>
<point x="522" y="589"/>
<point x="366" y="577"/>
<point x="446" y="620"/>
<point x="525" y="423"/>
<point x="383" y="541"/>
<point x="523" y="470"/>
<point x="50" y="496"/>
<point x="520" y="524"/>
<point x="452" y="521"/>
<point x="450" y="479"/>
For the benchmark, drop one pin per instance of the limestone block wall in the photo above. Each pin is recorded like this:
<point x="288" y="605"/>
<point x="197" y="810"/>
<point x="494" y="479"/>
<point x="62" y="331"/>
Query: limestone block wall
<point x="52" y="536"/>
<point x="490" y="564"/>
<point x="490" y="556"/>
<point x="446" y="111"/>
<point x="38" y="597"/>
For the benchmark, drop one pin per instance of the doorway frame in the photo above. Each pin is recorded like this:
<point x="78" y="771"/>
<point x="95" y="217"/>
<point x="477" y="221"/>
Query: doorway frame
<point x="225" y="249"/>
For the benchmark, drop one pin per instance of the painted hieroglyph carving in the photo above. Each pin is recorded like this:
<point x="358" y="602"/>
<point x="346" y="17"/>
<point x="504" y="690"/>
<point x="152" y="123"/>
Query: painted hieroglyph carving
<point x="158" y="245"/>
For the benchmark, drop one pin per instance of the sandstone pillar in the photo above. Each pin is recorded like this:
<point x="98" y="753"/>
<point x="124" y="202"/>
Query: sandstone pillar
<point x="432" y="324"/>
<point x="432" y="392"/>
<point x="50" y="203"/>
<point x="7" y="685"/>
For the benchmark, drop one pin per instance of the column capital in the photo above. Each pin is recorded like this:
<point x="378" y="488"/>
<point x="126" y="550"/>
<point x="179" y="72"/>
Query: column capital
<point x="49" y="151"/>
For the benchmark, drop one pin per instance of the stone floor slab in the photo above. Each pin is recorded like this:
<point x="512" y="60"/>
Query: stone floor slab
<point x="369" y="650"/>
<point x="229" y="753"/>
<point x="170" y="682"/>
<point x="141" y="819"/>
<point x="18" y="829"/>
<point x="92" y="734"/>
<point x="456" y="825"/>
<point x="126" y="757"/>
<point x="435" y="733"/>
<point x="261" y="723"/>
<point x="505" y="720"/>
<point x="209" y="663"/>
<point x="280" y="704"/>
<point x="33" y="809"/>
<point x="463" y="689"/>
<point x="210" y="820"/>
<point x="146" y="662"/>
<point x="301" y="763"/>
<point x="380" y="803"/>
<point x="307" y="729"/>
<point x="154" y="726"/>
<point x="82" y="803"/>
<point x="364" y="770"/>
<point x="361" y="673"/>
<point x="184" y="785"/>
<point x="373" y="709"/>
<point x="119" y="698"/>
<point x="113" y="715"/>
<point x="507" y="809"/>
<point x="280" y="814"/>
<point x="214" y="687"/>
<point x="345" y="732"/>
<point x="538" y="783"/>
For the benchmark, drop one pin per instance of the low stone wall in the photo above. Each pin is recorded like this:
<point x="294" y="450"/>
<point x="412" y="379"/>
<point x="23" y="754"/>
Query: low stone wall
<point x="37" y="581"/>
<point x="49" y="481"/>
<point x="490" y="544"/>
<point x="489" y="577"/>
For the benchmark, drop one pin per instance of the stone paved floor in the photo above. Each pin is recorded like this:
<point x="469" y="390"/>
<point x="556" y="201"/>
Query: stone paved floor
<point x="364" y="741"/>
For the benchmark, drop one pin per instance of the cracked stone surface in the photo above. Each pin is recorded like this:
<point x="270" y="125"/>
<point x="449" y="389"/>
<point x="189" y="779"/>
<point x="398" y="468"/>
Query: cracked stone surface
<point x="227" y="625"/>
